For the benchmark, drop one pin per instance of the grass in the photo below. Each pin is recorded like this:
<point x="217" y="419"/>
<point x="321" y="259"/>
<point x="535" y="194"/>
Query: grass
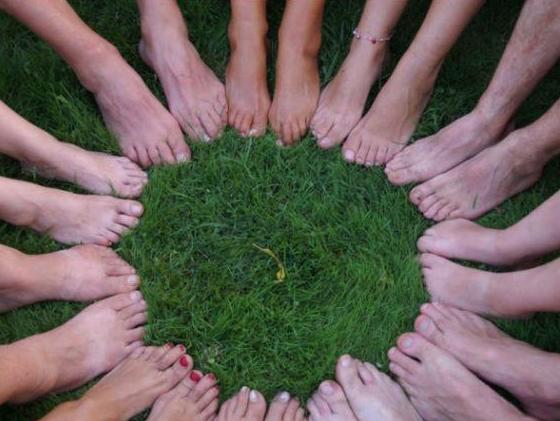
<point x="345" y="235"/>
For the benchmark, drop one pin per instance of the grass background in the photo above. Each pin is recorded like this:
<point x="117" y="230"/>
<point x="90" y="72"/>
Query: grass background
<point x="345" y="235"/>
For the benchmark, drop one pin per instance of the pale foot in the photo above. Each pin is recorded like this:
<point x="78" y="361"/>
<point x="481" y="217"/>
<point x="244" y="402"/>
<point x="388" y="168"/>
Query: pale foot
<point x="90" y="344"/>
<point x="195" y="398"/>
<point x="247" y="405"/>
<point x="481" y="183"/>
<point x="82" y="273"/>
<point x="441" y="388"/>
<point x="285" y="408"/>
<point x="436" y="154"/>
<point x="342" y="102"/>
<point x="372" y="394"/>
<point x="329" y="403"/>
<point x="527" y="372"/>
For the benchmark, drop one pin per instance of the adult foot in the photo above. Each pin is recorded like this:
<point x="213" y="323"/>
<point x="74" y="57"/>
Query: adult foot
<point x="440" y="387"/>
<point x="246" y="83"/>
<point x="481" y="183"/>
<point x="195" y="398"/>
<point x="82" y="273"/>
<point x="372" y="394"/>
<point x="285" y="408"/>
<point x="389" y="124"/>
<point x="90" y="344"/>
<point x="247" y="405"/>
<point x="435" y="155"/>
<point x="529" y="373"/>
<point x="329" y="403"/>
<point x="342" y="102"/>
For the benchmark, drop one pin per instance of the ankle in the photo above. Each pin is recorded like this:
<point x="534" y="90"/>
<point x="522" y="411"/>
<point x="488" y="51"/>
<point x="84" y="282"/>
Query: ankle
<point x="299" y="42"/>
<point x="97" y="65"/>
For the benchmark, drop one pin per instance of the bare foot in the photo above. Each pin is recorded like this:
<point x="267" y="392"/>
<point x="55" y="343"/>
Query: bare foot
<point x="435" y="155"/>
<point x="90" y="344"/>
<point x="481" y="183"/>
<point x="529" y="373"/>
<point x="389" y="124"/>
<point x="247" y="405"/>
<point x="83" y="273"/>
<point x="372" y="394"/>
<point x="441" y="388"/>
<point x="193" y="399"/>
<point x="342" y="102"/>
<point x="329" y="403"/>
<point x="246" y="80"/>
<point x="285" y="408"/>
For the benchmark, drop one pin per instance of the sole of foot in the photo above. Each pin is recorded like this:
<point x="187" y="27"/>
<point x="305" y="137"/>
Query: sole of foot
<point x="247" y="405"/>
<point x="529" y="373"/>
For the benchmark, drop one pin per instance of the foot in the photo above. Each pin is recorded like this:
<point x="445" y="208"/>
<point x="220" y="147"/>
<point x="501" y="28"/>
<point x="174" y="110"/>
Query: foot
<point x="437" y="154"/>
<point x="342" y="102"/>
<point x="90" y="344"/>
<point x="329" y="403"/>
<point x="372" y="394"/>
<point x="481" y="183"/>
<point x="285" y="408"/>
<point x="247" y="405"/>
<point x="82" y="273"/>
<point x="440" y="387"/>
<point x="389" y="124"/>
<point x="193" y="399"/>
<point x="530" y="374"/>
<point x="246" y="80"/>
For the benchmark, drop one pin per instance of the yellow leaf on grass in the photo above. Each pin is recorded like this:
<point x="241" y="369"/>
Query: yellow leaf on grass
<point x="281" y="274"/>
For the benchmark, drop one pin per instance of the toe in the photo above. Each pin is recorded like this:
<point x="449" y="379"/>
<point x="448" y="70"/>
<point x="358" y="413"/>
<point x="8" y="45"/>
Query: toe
<point x="258" y="127"/>
<point x="136" y="334"/>
<point x="428" y="329"/>
<point x="143" y="157"/>
<point x="257" y="405"/>
<point x="365" y="375"/>
<point x="444" y="212"/>
<point x="414" y="345"/>
<point x="139" y="319"/>
<point x="333" y="394"/>
<point x="121" y="301"/>
<point x="166" y="154"/>
<point x="130" y="208"/>
<point x="278" y="407"/>
<point x="291" y="410"/>
<point x="172" y="356"/>
<point x="241" y="404"/>
<point x="433" y="210"/>
<point x="133" y="309"/>
<point x="362" y="153"/>
<point x="351" y="146"/>
<point x="419" y="193"/>
<point x="346" y="373"/>
<point x="155" y="158"/>
<point x="126" y="283"/>
<point x="370" y="158"/>
<point x="179" y="148"/>
<point x="202" y="386"/>
<point x="406" y="363"/>
<point x="245" y="124"/>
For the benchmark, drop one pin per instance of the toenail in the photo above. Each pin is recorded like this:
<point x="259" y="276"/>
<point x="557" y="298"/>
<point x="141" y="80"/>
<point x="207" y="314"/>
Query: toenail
<point x="137" y="209"/>
<point x="345" y="361"/>
<point x="184" y="361"/>
<point x="133" y="280"/>
<point x="284" y="397"/>
<point x="182" y="348"/>
<point x="407" y="343"/>
<point x="135" y="296"/>
<point x="169" y="345"/>
<point x="326" y="388"/>
<point x="195" y="377"/>
<point x="349" y="155"/>
<point x="244" y="389"/>
<point x="253" y="396"/>
<point x="182" y="158"/>
<point x="279" y="142"/>
<point x="206" y="138"/>
<point x="324" y="142"/>
<point x="424" y="326"/>
<point x="252" y="132"/>
<point x="392" y="351"/>
<point x="211" y="376"/>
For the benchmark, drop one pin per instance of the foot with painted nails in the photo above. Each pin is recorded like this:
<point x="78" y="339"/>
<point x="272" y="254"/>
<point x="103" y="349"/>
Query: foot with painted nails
<point x="329" y="403"/>
<point x="441" y="388"/>
<point x="247" y="405"/>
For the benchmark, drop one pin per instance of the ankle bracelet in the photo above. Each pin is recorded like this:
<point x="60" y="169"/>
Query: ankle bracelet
<point x="367" y="37"/>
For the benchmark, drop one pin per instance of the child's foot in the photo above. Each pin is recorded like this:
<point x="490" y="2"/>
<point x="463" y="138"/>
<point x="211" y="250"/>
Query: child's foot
<point x="529" y="373"/>
<point x="247" y="405"/>
<point x="92" y="343"/>
<point x="372" y="394"/>
<point x="329" y="403"/>
<point x="82" y="273"/>
<point x="440" y="387"/>
<point x="342" y="101"/>
<point x="285" y="408"/>
<point x="195" y="398"/>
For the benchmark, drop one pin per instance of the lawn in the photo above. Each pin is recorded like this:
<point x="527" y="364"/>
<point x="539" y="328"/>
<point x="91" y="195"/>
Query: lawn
<point x="345" y="235"/>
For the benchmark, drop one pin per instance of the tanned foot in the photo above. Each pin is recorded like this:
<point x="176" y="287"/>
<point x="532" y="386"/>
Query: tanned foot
<point x="90" y="344"/>
<point x="329" y="403"/>
<point x="437" y="154"/>
<point x="195" y="398"/>
<point x="342" y="102"/>
<point x="83" y="273"/>
<point x="389" y="124"/>
<point x="481" y="183"/>
<point x="247" y="405"/>
<point x="246" y="80"/>
<point x="372" y="394"/>
<point x="441" y="388"/>
<point x="285" y="408"/>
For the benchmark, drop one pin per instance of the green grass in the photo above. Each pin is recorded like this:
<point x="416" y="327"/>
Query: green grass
<point x="345" y="235"/>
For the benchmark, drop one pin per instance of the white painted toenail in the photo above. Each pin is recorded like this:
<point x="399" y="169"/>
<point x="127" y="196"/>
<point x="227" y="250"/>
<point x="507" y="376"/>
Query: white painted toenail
<point x="349" y="155"/>
<point x="135" y="295"/>
<point x="136" y="209"/>
<point x="327" y="389"/>
<point x="244" y="389"/>
<point x="324" y="142"/>
<point x="133" y="280"/>
<point x="284" y="397"/>
<point x="279" y="142"/>
<point x="182" y="158"/>
<point x="345" y="361"/>
<point x="253" y="396"/>
<point x="206" y="138"/>
<point x="252" y="132"/>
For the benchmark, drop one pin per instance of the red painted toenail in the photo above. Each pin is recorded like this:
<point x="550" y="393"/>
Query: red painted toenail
<point x="182" y="348"/>
<point x="195" y="377"/>
<point x="169" y="345"/>
<point x="184" y="361"/>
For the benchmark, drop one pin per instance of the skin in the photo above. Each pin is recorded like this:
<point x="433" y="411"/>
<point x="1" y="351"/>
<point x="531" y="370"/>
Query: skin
<point x="39" y="152"/>
<point x="67" y="217"/>
<point x="196" y="97"/>
<point x="329" y="403"/>
<point x="147" y="133"/>
<point x="92" y="343"/>
<point x="393" y="117"/>
<point x="342" y="102"/>
<point x="529" y="55"/>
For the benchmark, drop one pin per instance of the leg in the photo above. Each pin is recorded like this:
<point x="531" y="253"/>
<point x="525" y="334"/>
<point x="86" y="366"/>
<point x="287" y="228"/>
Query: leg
<point x="494" y="175"/>
<point x="246" y="405"/>
<point x="393" y="117"/>
<point x="147" y="133"/>
<point x="92" y="343"/>
<point x="297" y="75"/>
<point x="511" y="295"/>
<point x="342" y="102"/>
<point x="67" y="217"/>
<point x="535" y="235"/>
<point x="530" y="54"/>
<point x="246" y="80"/>
<point x="529" y="373"/>
<point x="195" y="95"/>
<point x="96" y="172"/>
<point x="131" y="387"/>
